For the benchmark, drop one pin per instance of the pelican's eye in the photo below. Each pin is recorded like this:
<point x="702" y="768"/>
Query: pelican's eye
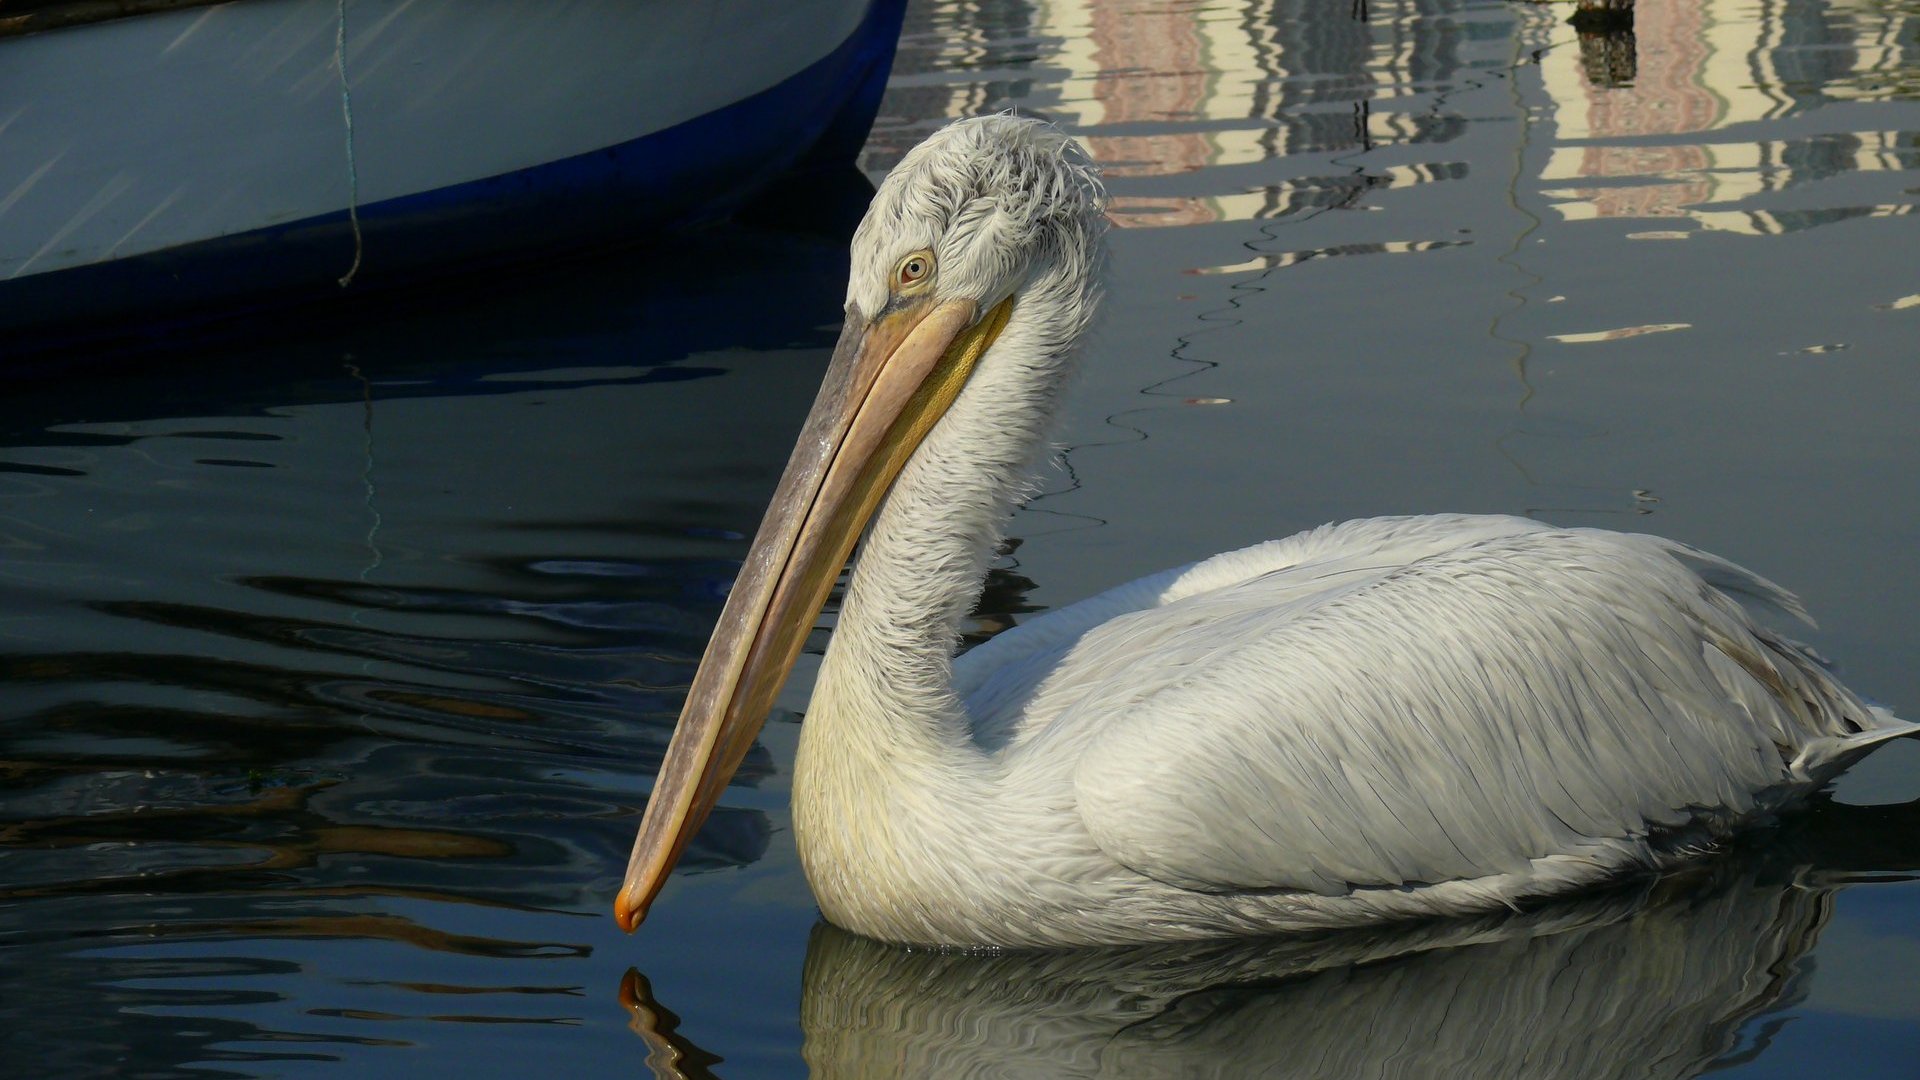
<point x="914" y="270"/>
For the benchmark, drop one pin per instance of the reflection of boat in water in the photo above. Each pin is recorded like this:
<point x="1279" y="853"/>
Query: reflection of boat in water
<point x="312" y="753"/>
<point x="1655" y="981"/>
<point x="207" y="158"/>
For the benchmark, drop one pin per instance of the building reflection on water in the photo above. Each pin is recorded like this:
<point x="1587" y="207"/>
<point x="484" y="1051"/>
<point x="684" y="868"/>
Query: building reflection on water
<point x="1165" y="89"/>
<point x="1698" y="68"/>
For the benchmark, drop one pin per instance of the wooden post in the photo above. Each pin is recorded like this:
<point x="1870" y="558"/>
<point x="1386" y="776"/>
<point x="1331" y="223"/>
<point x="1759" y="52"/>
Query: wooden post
<point x="1599" y="15"/>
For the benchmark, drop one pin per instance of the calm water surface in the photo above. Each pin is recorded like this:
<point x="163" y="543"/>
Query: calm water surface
<point x="333" y="672"/>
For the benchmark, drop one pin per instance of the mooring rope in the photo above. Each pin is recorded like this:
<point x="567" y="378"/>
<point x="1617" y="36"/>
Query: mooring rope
<point x="346" y="113"/>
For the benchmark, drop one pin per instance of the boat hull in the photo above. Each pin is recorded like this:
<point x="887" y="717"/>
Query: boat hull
<point x="468" y="137"/>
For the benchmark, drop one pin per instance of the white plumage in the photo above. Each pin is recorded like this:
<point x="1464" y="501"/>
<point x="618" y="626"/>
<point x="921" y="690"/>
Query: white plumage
<point x="1383" y="719"/>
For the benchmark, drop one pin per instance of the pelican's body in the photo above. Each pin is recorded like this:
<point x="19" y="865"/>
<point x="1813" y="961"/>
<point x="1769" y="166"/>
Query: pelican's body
<point x="1384" y="719"/>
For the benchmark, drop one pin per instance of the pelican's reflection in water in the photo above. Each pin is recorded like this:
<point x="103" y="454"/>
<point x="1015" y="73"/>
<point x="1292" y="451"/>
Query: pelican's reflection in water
<point x="1619" y="986"/>
<point x="1656" y="980"/>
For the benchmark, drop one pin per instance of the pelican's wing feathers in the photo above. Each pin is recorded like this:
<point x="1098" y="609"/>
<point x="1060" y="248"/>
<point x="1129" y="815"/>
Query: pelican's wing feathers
<point x="1406" y="701"/>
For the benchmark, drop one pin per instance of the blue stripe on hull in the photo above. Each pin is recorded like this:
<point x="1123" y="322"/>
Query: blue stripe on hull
<point x="694" y="172"/>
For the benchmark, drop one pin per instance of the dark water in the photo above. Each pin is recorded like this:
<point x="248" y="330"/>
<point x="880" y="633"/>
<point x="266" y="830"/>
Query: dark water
<point x="333" y="671"/>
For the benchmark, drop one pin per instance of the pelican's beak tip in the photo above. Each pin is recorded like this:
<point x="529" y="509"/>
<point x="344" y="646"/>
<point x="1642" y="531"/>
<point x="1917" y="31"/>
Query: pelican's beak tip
<point x="626" y="914"/>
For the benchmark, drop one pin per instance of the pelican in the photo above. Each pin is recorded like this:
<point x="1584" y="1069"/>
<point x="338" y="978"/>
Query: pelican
<point x="1373" y="721"/>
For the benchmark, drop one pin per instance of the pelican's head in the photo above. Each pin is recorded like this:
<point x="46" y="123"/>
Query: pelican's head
<point x="992" y="223"/>
<point x="984" y="209"/>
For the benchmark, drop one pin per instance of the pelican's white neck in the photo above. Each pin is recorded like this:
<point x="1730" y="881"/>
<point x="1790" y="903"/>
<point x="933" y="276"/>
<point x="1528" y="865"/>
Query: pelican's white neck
<point x="885" y="728"/>
<point x="924" y="560"/>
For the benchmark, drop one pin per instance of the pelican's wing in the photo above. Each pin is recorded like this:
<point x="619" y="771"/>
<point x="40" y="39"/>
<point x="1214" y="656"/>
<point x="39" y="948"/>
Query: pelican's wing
<point x="1359" y="717"/>
<point x="1093" y="651"/>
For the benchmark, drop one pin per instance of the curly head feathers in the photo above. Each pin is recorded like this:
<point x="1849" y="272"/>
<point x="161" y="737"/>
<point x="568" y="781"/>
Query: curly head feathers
<point x="998" y="200"/>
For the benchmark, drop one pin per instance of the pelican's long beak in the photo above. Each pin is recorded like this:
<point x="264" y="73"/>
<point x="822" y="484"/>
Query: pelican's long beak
<point x="889" y="382"/>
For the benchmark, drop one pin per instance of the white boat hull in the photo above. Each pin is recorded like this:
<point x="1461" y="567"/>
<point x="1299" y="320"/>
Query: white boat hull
<point x="205" y="158"/>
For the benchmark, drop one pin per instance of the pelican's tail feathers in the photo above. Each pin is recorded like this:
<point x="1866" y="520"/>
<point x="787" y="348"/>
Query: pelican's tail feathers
<point x="1823" y="757"/>
<point x="1887" y="726"/>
